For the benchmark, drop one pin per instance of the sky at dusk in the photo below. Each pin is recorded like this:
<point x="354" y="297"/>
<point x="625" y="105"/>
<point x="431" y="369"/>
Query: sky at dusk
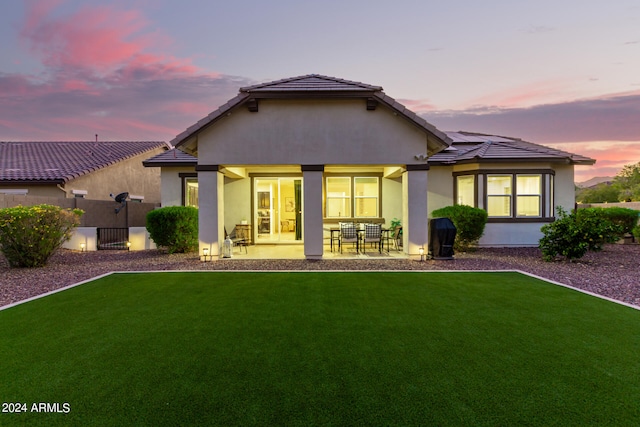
<point x="564" y="73"/>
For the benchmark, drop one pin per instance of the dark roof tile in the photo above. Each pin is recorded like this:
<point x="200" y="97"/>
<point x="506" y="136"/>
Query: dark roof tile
<point x="61" y="161"/>
<point x="474" y="147"/>
<point x="172" y="157"/>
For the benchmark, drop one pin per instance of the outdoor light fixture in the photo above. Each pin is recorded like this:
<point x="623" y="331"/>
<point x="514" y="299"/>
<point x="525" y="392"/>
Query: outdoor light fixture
<point x="227" y="248"/>
<point x="128" y="245"/>
<point x="205" y="254"/>
<point x="82" y="247"/>
<point x="421" y="251"/>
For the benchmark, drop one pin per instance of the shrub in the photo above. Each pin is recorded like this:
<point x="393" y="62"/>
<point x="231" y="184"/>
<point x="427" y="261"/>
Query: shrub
<point x="30" y="235"/>
<point x="469" y="222"/>
<point x="636" y="233"/>
<point x="174" y="228"/>
<point x="623" y="217"/>
<point x="572" y="235"/>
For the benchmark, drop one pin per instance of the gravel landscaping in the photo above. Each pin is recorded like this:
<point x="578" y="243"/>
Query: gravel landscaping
<point x="614" y="272"/>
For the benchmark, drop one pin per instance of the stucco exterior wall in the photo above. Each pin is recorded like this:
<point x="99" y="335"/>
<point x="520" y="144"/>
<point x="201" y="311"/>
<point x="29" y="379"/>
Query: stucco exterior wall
<point x="565" y="190"/>
<point x="440" y="192"/>
<point x="37" y="190"/>
<point x="391" y="200"/>
<point x="237" y="202"/>
<point x="311" y="132"/>
<point x="128" y="175"/>
<point x="171" y="185"/>
<point x="511" y="235"/>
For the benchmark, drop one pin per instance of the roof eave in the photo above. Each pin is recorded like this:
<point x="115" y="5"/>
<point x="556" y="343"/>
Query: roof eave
<point x="179" y="164"/>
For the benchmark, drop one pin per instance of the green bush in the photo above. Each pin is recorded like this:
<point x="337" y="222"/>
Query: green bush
<point x="30" y="235"/>
<point x="572" y="235"/>
<point x="469" y="222"/>
<point x="623" y="217"/>
<point x="636" y="233"/>
<point x="174" y="228"/>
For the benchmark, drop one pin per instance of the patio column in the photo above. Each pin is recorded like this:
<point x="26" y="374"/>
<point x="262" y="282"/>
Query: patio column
<point x="210" y="209"/>
<point x="312" y="212"/>
<point x="415" y="224"/>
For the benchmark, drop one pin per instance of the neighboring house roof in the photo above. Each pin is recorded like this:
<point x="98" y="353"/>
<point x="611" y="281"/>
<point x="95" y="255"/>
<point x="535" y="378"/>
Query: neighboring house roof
<point x="57" y="162"/>
<point x="470" y="147"/>
<point x="313" y="86"/>
<point x="170" y="158"/>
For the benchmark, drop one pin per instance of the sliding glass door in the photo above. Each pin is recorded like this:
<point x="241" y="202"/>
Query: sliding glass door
<point x="278" y="209"/>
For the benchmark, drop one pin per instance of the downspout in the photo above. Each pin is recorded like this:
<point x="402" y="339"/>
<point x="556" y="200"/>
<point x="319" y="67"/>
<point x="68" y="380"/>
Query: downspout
<point x="62" y="189"/>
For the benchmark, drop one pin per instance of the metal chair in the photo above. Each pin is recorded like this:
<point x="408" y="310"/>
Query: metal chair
<point x="348" y="234"/>
<point x="372" y="234"/>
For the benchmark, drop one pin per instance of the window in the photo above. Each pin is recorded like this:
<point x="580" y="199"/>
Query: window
<point x="499" y="195"/>
<point x="529" y="195"/>
<point x="507" y="196"/>
<point x="352" y="197"/>
<point x="366" y="197"/>
<point x="338" y="197"/>
<point x="191" y="192"/>
<point x="466" y="190"/>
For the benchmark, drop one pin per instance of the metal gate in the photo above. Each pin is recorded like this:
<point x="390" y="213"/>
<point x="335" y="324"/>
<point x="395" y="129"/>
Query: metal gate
<point x="113" y="238"/>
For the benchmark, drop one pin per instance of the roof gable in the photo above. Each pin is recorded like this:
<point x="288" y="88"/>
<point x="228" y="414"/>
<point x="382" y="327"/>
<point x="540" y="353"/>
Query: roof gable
<point x="311" y="83"/>
<point x="60" y="161"/>
<point x="315" y="86"/>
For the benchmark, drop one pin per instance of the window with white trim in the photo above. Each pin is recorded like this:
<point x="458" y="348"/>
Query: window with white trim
<point x="352" y="197"/>
<point x="528" y="195"/>
<point x="499" y="188"/>
<point x="338" y="201"/>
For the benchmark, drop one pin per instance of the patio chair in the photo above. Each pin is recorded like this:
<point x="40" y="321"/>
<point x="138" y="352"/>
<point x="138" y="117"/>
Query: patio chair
<point x="396" y="235"/>
<point x="372" y="234"/>
<point x="348" y="234"/>
<point x="240" y="241"/>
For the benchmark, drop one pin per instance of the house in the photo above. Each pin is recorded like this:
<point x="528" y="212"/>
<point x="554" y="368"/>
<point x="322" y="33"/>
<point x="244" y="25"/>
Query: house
<point x="289" y="159"/>
<point x="86" y="169"/>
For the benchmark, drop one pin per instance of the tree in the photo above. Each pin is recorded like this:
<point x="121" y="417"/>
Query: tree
<point x="627" y="181"/>
<point x="601" y="193"/>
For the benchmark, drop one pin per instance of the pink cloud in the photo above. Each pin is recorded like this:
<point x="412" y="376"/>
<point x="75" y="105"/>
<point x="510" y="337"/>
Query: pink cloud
<point x="106" y="72"/>
<point x="417" y="105"/>
<point x="529" y="94"/>
<point x="87" y="38"/>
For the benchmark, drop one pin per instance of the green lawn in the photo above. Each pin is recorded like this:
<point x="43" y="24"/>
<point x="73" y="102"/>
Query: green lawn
<point x="322" y="349"/>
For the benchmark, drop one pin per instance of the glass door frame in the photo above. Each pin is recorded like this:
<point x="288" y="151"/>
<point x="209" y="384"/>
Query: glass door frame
<point x="276" y="208"/>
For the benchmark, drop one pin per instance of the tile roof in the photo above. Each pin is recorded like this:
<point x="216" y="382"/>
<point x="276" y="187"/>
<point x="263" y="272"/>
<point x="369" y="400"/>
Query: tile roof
<point x="57" y="162"/>
<point x="313" y="85"/>
<point x="171" y="157"/>
<point x="473" y="147"/>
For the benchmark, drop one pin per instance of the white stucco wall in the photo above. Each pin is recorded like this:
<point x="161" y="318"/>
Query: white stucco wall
<point x="391" y="199"/>
<point x="237" y="202"/>
<point x="311" y="132"/>
<point x="440" y="192"/>
<point x="565" y="190"/>
<point x="511" y="234"/>
<point x="171" y="185"/>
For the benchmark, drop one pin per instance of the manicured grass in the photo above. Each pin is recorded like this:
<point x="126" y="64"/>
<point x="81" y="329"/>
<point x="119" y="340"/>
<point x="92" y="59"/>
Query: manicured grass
<point x="322" y="349"/>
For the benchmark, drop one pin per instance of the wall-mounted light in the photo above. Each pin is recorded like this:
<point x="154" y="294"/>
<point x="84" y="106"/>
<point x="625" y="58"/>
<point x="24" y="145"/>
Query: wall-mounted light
<point x="421" y="252"/>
